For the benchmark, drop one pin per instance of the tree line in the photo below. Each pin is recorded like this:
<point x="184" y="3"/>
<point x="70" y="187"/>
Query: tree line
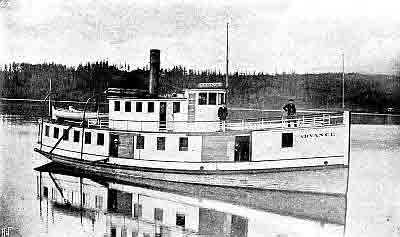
<point x="256" y="90"/>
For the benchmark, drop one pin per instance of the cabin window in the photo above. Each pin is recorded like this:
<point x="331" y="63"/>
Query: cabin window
<point x="180" y="220"/>
<point x="116" y="106"/>
<point x="183" y="143"/>
<point x="140" y="142"/>
<point x="161" y="143"/>
<point x="177" y="107"/>
<point x="202" y="98"/>
<point x="212" y="98"/>
<point x="65" y="134"/>
<point x="76" y="136"/>
<point x="158" y="214"/>
<point x="46" y="130"/>
<point x="45" y="191"/>
<point x="56" y="132"/>
<point x="287" y="140"/>
<point x="137" y="210"/>
<point x="88" y="137"/>
<point x="138" y="106"/>
<point x="150" y="107"/>
<point x="100" y="139"/>
<point x="221" y="98"/>
<point x="127" y="106"/>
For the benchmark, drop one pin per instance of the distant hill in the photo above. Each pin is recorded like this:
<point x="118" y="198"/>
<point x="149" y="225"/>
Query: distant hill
<point x="316" y="91"/>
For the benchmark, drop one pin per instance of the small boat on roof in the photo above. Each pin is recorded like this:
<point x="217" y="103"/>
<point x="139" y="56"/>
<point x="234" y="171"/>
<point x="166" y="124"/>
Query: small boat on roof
<point x="74" y="114"/>
<point x="180" y="138"/>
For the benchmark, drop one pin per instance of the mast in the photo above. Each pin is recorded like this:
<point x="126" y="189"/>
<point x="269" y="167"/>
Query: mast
<point x="343" y="80"/>
<point x="227" y="63"/>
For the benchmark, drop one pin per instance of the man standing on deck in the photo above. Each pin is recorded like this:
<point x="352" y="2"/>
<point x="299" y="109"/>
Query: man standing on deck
<point x="222" y="114"/>
<point x="290" y="109"/>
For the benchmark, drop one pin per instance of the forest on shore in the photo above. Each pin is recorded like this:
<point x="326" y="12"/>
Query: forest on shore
<point x="256" y="90"/>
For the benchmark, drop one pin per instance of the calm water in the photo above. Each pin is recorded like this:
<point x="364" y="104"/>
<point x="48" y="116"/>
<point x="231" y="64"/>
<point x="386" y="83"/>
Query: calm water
<point x="111" y="209"/>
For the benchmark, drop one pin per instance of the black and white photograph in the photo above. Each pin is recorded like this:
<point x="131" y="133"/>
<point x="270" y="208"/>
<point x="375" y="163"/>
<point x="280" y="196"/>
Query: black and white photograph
<point x="174" y="118"/>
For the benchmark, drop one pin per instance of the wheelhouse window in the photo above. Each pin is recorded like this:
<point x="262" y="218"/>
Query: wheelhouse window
<point x="183" y="143"/>
<point x="176" y="107"/>
<point x="161" y="143"/>
<point x="100" y="139"/>
<point x="140" y="142"/>
<point x="127" y="106"/>
<point x="180" y="220"/>
<point x="150" y="107"/>
<point x="56" y="132"/>
<point x="88" y="137"/>
<point x="287" y="140"/>
<point x="212" y="98"/>
<point x="65" y="134"/>
<point x="221" y="98"/>
<point x="46" y="130"/>
<point x="117" y="106"/>
<point x="76" y="136"/>
<point x="202" y="98"/>
<point x="138" y="106"/>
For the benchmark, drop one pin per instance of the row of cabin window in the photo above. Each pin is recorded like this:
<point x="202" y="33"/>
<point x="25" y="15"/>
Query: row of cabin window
<point x="76" y="135"/>
<point x="211" y="98"/>
<point x="183" y="143"/>
<point x="139" y="106"/>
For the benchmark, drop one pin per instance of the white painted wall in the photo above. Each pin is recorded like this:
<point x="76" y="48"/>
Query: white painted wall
<point x="148" y="118"/>
<point x="171" y="152"/>
<point x="266" y="145"/>
<point x="65" y="147"/>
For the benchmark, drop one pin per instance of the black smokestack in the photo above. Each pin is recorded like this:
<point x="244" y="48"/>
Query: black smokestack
<point x="154" y="71"/>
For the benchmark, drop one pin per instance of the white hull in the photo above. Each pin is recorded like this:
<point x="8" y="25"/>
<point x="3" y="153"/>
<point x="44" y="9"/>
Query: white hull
<point x="314" y="179"/>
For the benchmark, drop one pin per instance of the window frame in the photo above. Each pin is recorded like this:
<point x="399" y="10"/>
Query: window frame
<point x="128" y="106"/>
<point x="176" y="107"/>
<point x="215" y="98"/>
<point x="202" y="100"/>
<point x="88" y="141"/>
<point x="47" y="130"/>
<point x="56" y="134"/>
<point x="221" y="99"/>
<point x="100" y="142"/>
<point x="140" y="142"/>
<point x="179" y="217"/>
<point x="287" y="140"/>
<point x="65" y="134"/>
<point x="77" y="135"/>
<point x="148" y="107"/>
<point x="117" y="105"/>
<point x="181" y="143"/>
<point x="138" y="108"/>
<point x="161" y="143"/>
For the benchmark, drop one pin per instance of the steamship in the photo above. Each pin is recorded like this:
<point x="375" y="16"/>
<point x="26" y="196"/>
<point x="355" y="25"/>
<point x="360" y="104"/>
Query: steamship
<point x="180" y="138"/>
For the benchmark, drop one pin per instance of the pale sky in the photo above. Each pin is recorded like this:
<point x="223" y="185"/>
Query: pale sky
<point x="265" y="35"/>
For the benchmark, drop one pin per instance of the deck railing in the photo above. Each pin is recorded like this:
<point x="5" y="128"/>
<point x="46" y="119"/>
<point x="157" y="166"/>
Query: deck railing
<point x="309" y="120"/>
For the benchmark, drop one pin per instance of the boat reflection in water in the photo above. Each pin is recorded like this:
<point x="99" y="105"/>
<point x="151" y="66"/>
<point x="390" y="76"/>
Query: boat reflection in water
<point x="102" y="207"/>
